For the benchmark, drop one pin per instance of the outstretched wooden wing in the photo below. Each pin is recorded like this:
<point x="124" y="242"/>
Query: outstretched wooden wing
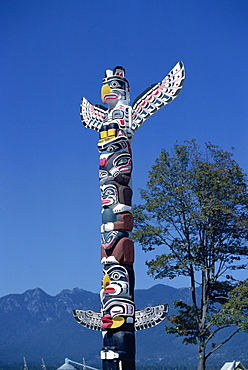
<point x="144" y="319"/>
<point x="89" y="319"/>
<point x="150" y="316"/>
<point x="158" y="95"/>
<point x="92" y="116"/>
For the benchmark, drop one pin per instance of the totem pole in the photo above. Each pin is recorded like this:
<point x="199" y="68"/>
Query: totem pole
<point x="118" y="319"/>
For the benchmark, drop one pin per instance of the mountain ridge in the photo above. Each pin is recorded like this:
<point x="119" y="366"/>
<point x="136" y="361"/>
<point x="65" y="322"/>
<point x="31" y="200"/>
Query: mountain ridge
<point x="35" y="324"/>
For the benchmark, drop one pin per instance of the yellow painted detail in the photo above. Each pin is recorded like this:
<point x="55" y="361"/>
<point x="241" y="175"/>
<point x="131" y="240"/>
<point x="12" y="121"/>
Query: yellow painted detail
<point x="117" y="322"/>
<point x="112" y="132"/>
<point x="105" y="90"/>
<point x="103" y="134"/>
<point x="105" y="281"/>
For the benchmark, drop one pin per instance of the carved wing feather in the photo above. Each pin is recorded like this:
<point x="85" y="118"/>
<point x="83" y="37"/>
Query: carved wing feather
<point x="158" y="95"/>
<point x="92" y="116"/>
<point x="150" y="316"/>
<point x="144" y="319"/>
<point x="89" y="319"/>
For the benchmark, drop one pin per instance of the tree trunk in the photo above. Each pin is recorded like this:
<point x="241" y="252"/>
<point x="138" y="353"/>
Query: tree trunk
<point x="201" y="355"/>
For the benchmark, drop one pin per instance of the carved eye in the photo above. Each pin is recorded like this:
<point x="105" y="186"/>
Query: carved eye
<point x="111" y="148"/>
<point x="115" y="276"/>
<point x="108" y="191"/>
<point x="114" y="84"/>
<point x="122" y="161"/>
<point x="116" y="310"/>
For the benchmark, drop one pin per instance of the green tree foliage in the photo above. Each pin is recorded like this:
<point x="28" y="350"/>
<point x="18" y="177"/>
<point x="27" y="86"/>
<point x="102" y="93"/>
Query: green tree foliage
<point x="196" y="212"/>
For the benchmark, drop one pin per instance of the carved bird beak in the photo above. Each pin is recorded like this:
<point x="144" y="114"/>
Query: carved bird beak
<point x="108" y="322"/>
<point x="117" y="322"/>
<point x="105" y="91"/>
<point x="105" y="281"/>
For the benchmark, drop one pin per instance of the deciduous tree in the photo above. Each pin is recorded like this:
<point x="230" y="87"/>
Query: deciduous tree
<point x="195" y="212"/>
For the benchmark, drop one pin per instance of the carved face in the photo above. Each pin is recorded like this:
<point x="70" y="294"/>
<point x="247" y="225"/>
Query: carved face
<point x="109" y="195"/>
<point x="116" y="196"/>
<point x="117" y="312"/>
<point x="116" y="87"/>
<point x="118" y="282"/>
<point x="115" y="281"/>
<point x="114" y="147"/>
<point x="113" y="165"/>
<point x="123" y="163"/>
<point x="114" y="90"/>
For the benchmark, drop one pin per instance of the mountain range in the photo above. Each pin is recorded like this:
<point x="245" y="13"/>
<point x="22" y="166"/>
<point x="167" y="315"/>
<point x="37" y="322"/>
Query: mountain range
<point x="37" y="325"/>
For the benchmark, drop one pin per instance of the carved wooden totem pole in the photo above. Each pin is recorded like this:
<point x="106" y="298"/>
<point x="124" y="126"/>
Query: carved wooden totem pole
<point x="118" y="319"/>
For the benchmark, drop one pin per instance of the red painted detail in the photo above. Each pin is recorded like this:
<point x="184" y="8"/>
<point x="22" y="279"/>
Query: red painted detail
<point x="120" y="133"/>
<point x="106" y="321"/>
<point x="103" y="162"/>
<point x="109" y="290"/>
<point x="105" y="200"/>
<point x="110" y="97"/>
<point x="129" y="148"/>
<point x="109" y="245"/>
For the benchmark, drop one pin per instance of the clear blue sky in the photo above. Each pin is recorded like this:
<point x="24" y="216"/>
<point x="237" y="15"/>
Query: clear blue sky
<point x="53" y="52"/>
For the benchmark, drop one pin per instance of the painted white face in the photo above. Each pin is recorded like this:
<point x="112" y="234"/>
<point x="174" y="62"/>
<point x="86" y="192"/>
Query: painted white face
<point x="109" y="195"/>
<point x="115" y="89"/>
<point x="115" y="281"/>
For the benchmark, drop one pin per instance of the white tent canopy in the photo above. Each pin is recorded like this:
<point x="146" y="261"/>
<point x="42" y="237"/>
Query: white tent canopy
<point x="235" y="365"/>
<point x="66" y="367"/>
